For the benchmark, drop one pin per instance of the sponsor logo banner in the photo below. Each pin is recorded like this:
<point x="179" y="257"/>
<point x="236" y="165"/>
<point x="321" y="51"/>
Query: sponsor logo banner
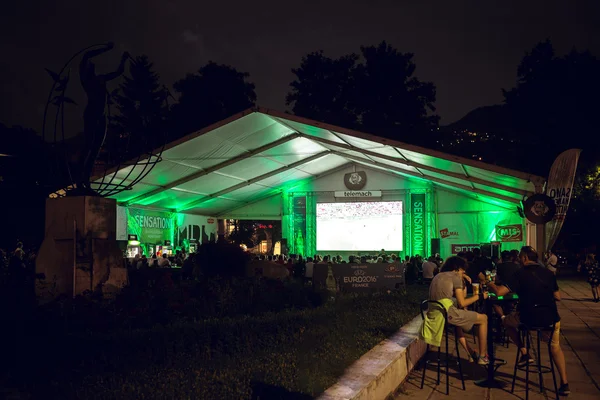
<point x="539" y="208"/>
<point x="417" y="225"/>
<point x="355" y="180"/>
<point x="358" y="277"/>
<point x="560" y="188"/>
<point x="446" y="233"/>
<point x="509" y="233"/>
<point x="358" y="193"/>
<point x="457" y="248"/>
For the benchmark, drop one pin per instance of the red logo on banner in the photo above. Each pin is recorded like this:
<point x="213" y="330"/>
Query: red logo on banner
<point x="210" y="220"/>
<point x="445" y="233"/>
<point x="457" y="248"/>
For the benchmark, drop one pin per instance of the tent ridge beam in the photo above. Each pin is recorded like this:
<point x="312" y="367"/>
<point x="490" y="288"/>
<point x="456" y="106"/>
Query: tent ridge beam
<point x="467" y="175"/>
<point x="407" y="160"/>
<point x="420" y="166"/>
<point x="394" y="143"/>
<point x="214" y="168"/>
<point x="280" y="191"/>
<point x="438" y="180"/>
<point x="253" y="180"/>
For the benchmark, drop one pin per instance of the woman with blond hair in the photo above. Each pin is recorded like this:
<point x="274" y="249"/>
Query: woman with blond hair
<point x="593" y="273"/>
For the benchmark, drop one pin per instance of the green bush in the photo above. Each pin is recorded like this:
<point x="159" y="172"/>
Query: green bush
<point x="222" y="259"/>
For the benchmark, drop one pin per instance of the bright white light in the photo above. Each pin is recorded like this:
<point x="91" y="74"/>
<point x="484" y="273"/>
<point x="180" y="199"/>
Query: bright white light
<point x="359" y="226"/>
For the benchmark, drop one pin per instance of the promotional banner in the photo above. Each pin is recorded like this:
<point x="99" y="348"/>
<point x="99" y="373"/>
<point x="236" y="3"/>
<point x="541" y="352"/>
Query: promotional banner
<point x="559" y="187"/>
<point x="458" y="248"/>
<point x="200" y="228"/>
<point x="458" y="228"/>
<point x="359" y="277"/>
<point x="418" y="224"/>
<point x="151" y="227"/>
<point x="299" y="225"/>
<point x="509" y="233"/>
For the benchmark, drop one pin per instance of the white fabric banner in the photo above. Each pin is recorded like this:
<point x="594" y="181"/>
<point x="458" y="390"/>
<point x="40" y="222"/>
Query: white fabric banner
<point x="560" y="187"/>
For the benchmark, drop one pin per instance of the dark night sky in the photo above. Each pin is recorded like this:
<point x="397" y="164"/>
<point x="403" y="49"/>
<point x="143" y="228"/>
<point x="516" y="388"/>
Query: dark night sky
<point x="470" y="49"/>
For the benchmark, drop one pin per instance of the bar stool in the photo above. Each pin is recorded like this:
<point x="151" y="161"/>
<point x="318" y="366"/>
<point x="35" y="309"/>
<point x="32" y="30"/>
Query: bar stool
<point x="438" y="361"/>
<point x="525" y="332"/>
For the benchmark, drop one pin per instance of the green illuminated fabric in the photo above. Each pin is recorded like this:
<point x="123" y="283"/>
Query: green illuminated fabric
<point x="263" y="153"/>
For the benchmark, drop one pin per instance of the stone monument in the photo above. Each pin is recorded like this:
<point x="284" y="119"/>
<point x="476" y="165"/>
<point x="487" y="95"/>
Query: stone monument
<point x="79" y="253"/>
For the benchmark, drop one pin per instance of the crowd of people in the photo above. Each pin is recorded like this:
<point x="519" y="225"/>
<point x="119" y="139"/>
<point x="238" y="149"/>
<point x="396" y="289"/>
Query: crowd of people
<point x="301" y="267"/>
<point x="17" y="274"/>
<point x="519" y="272"/>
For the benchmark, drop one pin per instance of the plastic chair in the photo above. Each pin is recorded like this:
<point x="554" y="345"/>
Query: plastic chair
<point x="525" y="332"/>
<point x="439" y="362"/>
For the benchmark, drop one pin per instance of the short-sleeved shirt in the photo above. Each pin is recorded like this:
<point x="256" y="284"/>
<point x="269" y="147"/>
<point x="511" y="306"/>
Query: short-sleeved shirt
<point x="443" y="285"/>
<point x="429" y="269"/>
<point x="535" y="285"/>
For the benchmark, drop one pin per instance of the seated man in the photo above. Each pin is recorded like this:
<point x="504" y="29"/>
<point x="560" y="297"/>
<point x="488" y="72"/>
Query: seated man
<point x="429" y="268"/>
<point x="449" y="284"/>
<point x="505" y="271"/>
<point x="536" y="286"/>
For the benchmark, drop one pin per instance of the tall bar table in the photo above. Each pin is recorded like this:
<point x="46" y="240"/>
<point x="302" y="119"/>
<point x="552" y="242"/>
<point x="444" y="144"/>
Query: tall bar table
<point x="491" y="381"/>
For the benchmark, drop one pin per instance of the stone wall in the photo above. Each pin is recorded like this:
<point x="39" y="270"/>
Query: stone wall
<point x="79" y="252"/>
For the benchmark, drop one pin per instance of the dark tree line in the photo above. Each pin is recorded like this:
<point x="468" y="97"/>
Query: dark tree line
<point x="375" y="92"/>
<point x="552" y="107"/>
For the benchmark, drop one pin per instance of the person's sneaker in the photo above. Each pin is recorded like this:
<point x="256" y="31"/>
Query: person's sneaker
<point x="473" y="356"/>
<point x="526" y="359"/>
<point x="564" y="390"/>
<point x="483" y="360"/>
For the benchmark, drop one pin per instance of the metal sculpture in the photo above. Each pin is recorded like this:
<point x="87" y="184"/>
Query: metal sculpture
<point x="93" y="168"/>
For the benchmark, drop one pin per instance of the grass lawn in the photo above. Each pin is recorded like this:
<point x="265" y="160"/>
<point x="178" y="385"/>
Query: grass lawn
<point x="281" y="355"/>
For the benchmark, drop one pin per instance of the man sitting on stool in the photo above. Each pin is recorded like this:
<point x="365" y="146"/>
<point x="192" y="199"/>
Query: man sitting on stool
<point x="450" y="284"/>
<point x="535" y="285"/>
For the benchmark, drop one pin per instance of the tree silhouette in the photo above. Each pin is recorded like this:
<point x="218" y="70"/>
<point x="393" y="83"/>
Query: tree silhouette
<point x="212" y="94"/>
<point x="324" y="89"/>
<point x="24" y="177"/>
<point x="376" y="93"/>
<point x="142" y="107"/>
<point x="555" y="101"/>
<point x="391" y="101"/>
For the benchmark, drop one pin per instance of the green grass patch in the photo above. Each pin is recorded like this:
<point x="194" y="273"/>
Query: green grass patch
<point x="292" y="352"/>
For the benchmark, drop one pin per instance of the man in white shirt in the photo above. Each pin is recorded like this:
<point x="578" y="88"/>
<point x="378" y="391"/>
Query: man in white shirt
<point x="164" y="261"/>
<point x="551" y="262"/>
<point x="428" y="268"/>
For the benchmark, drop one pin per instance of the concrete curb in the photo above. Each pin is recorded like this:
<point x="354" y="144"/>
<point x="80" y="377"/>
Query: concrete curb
<point x="382" y="369"/>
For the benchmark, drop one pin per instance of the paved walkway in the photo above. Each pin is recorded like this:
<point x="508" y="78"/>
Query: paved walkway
<point x="580" y="341"/>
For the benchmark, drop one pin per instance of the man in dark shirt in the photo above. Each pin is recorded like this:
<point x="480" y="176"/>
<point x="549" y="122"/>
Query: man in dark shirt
<point x="504" y="273"/>
<point x="538" y="293"/>
<point x="478" y="266"/>
<point x="506" y="269"/>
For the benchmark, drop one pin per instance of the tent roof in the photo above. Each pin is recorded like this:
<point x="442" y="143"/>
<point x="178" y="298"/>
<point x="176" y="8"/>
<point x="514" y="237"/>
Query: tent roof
<point x="259" y="153"/>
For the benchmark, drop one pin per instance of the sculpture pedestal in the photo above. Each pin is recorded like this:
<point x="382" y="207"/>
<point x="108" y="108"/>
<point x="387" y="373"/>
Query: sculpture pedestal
<point x="79" y="252"/>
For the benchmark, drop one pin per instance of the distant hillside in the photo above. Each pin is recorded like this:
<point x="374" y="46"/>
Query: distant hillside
<point x="491" y="119"/>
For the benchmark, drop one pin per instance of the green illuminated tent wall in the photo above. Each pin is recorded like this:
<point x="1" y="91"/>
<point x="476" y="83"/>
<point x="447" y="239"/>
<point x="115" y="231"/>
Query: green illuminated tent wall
<point x="254" y="164"/>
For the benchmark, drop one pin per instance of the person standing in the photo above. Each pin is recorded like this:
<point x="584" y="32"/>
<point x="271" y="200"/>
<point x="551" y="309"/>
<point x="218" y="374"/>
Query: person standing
<point x="593" y="275"/>
<point x="429" y="268"/>
<point x="552" y="262"/>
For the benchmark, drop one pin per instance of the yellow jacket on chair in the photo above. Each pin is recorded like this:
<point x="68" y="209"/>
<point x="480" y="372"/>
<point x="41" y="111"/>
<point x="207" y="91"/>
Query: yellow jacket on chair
<point x="432" y="329"/>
